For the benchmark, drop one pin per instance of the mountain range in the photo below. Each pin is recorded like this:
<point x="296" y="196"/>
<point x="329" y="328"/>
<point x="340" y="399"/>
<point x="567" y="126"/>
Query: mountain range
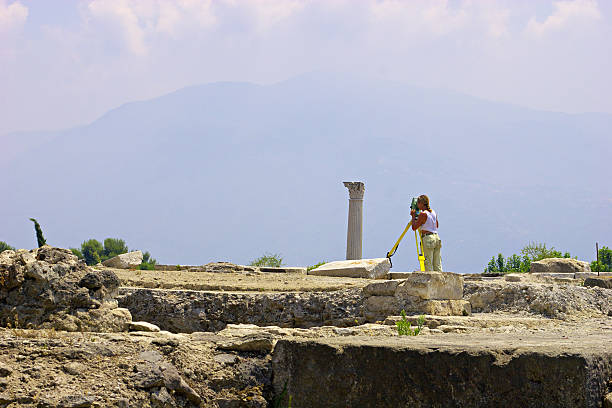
<point x="229" y="171"/>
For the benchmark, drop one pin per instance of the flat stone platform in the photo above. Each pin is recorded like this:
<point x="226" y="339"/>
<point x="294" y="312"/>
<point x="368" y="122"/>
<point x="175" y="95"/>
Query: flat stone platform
<point x="237" y="281"/>
<point x="454" y="370"/>
<point x="187" y="311"/>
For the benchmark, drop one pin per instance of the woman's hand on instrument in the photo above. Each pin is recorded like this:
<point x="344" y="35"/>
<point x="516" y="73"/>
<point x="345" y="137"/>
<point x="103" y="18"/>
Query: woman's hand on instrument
<point x="412" y="213"/>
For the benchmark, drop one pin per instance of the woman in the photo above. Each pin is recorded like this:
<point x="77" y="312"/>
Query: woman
<point x="428" y="222"/>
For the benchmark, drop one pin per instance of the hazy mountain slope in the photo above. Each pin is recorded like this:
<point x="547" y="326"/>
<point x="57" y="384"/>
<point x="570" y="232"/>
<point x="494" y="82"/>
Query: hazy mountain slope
<point x="227" y="171"/>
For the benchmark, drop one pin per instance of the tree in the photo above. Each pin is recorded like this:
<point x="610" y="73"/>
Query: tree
<point x="39" y="234"/>
<point x="605" y="260"/>
<point x="501" y="265"/>
<point x="113" y="247"/>
<point x="77" y="252"/>
<point x="513" y="264"/>
<point x="525" y="264"/>
<point x="5" y="247"/>
<point x="91" y="250"/>
<point x="536" y="251"/>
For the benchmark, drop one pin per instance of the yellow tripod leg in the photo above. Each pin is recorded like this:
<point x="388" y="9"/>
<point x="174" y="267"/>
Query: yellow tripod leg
<point x="420" y="253"/>
<point x="392" y="251"/>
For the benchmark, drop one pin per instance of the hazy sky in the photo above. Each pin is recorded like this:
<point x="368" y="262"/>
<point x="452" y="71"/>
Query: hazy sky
<point x="64" y="63"/>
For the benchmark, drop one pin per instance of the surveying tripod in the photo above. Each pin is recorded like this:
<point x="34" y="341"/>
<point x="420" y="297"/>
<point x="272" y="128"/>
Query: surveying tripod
<point x="419" y="246"/>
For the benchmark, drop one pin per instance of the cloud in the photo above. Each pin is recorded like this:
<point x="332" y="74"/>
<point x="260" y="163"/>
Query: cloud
<point x="12" y="16"/>
<point x="565" y="13"/>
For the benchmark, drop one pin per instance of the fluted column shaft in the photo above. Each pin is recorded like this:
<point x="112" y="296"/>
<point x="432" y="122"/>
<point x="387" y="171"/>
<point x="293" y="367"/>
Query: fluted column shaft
<point x="354" y="235"/>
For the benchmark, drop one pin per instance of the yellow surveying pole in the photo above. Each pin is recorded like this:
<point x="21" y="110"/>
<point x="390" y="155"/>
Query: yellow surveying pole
<point x="419" y="247"/>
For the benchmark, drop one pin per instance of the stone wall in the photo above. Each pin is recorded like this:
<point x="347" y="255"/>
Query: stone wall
<point x="187" y="311"/>
<point x="550" y="300"/>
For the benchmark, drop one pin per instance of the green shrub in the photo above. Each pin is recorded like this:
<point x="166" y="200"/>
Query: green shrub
<point x="148" y="263"/>
<point x="271" y="260"/>
<point x="5" y="247"/>
<point x="91" y="250"/>
<point x="315" y="266"/>
<point x="404" y="327"/>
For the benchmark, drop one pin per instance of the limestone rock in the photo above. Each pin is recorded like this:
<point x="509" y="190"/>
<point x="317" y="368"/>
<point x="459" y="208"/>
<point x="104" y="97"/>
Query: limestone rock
<point x="162" y="399"/>
<point x="261" y="342"/>
<point x="50" y="288"/>
<point x="600" y="282"/>
<point x="76" y="401"/>
<point x="551" y="300"/>
<point x="560" y="265"/>
<point x="143" y="326"/>
<point x="607" y="403"/>
<point x="124" y="261"/>
<point x="155" y="372"/>
<point x="385" y="288"/>
<point x="379" y="307"/>
<point x="432" y="285"/>
<point x="376" y="268"/>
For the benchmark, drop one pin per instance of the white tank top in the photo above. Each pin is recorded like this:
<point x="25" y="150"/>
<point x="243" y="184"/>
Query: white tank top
<point x="431" y="224"/>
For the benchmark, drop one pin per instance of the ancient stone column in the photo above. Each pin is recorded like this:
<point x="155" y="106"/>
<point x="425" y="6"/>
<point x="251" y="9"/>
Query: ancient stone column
<point x="354" y="235"/>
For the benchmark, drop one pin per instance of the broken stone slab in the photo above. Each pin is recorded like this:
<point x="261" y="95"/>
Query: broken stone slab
<point x="560" y="265"/>
<point x="600" y="282"/>
<point x="385" y="288"/>
<point x="431" y="285"/>
<point x="376" y="268"/>
<point x="260" y="342"/>
<point x="584" y="275"/>
<point x="143" y="326"/>
<point x="298" y="270"/>
<point x="124" y="261"/>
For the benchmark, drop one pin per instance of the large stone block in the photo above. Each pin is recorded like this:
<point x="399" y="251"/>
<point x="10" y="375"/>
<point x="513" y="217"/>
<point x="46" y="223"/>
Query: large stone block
<point x="431" y="285"/>
<point x="560" y="265"/>
<point x="385" y="288"/>
<point x="376" y="268"/>
<point x="124" y="261"/>
<point x="445" y="308"/>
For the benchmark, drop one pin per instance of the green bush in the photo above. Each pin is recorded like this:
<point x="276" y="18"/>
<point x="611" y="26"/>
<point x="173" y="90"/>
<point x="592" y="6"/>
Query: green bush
<point x="271" y="260"/>
<point x="404" y="326"/>
<point x="148" y="263"/>
<point x="315" y="266"/>
<point x="5" y="247"/>
<point x="91" y="250"/>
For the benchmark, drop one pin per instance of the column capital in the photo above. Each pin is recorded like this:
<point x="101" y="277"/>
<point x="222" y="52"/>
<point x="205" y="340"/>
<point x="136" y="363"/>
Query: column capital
<point x="356" y="189"/>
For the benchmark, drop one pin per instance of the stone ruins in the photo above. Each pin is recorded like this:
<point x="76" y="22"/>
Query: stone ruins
<point x="226" y="335"/>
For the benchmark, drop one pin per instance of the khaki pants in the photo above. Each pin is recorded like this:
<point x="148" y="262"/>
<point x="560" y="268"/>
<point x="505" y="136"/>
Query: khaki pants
<point x="431" y="250"/>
